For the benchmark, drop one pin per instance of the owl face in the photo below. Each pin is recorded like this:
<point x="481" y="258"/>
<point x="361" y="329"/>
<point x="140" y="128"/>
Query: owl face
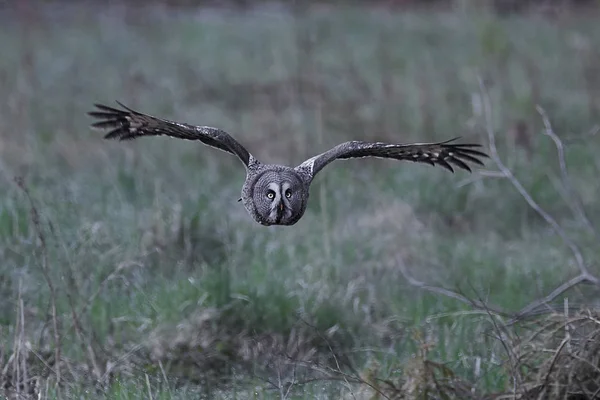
<point x="278" y="198"/>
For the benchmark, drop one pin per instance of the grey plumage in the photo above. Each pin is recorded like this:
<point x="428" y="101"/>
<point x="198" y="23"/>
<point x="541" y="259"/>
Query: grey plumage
<point x="277" y="194"/>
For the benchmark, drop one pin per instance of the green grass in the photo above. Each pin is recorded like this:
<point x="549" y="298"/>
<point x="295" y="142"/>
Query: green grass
<point x="143" y="237"/>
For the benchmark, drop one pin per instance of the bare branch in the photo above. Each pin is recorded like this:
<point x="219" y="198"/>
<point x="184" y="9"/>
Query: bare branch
<point x="575" y="201"/>
<point x="563" y="287"/>
<point x="447" y="292"/>
<point x="584" y="276"/>
<point x="477" y="177"/>
<point x="487" y="111"/>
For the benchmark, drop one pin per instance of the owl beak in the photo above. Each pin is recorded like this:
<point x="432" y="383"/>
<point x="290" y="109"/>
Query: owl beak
<point x="281" y="206"/>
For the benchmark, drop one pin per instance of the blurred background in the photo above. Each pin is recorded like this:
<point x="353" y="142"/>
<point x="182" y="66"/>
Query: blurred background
<point x="129" y="270"/>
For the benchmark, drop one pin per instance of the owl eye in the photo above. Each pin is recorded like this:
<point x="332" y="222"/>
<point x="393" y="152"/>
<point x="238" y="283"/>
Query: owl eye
<point x="288" y="193"/>
<point x="270" y="195"/>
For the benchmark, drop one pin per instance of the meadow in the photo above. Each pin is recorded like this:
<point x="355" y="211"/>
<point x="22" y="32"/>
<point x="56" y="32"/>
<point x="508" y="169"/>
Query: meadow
<point x="130" y="271"/>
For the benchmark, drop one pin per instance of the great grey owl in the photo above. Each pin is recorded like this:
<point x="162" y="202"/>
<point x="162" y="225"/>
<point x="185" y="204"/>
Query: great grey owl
<point x="276" y="194"/>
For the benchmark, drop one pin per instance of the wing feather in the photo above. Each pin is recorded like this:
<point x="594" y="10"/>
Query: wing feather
<point x="445" y="154"/>
<point x="129" y="124"/>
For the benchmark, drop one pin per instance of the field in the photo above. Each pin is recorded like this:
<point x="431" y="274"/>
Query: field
<point x="129" y="270"/>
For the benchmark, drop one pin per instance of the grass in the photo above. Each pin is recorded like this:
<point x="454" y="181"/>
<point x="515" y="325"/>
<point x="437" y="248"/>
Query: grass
<point x="156" y="262"/>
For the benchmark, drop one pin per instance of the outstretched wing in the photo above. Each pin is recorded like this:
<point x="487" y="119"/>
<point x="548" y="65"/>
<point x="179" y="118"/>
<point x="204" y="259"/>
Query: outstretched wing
<point x="445" y="154"/>
<point x="129" y="124"/>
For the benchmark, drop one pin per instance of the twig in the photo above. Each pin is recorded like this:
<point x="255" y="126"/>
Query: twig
<point x="513" y="364"/>
<point x="339" y="371"/>
<point x="447" y="292"/>
<point x="332" y="374"/>
<point x="556" y="354"/>
<point x="121" y="359"/>
<point x="575" y="203"/>
<point x="477" y="177"/>
<point x="563" y="287"/>
<point x="293" y="381"/>
<point x="279" y="384"/>
<point x="339" y="368"/>
<point x="35" y="219"/>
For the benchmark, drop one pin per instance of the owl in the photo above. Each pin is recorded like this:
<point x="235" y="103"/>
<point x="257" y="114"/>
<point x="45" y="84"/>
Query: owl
<point x="277" y="194"/>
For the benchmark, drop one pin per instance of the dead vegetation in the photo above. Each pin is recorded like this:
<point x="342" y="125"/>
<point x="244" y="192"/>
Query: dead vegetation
<point x="560" y="357"/>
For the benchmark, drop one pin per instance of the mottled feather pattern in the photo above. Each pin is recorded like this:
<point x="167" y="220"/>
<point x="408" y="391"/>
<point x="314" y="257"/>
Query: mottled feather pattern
<point x="128" y="124"/>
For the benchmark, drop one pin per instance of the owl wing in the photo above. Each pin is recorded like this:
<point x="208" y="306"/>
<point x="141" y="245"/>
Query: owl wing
<point x="445" y="154"/>
<point x="128" y="124"/>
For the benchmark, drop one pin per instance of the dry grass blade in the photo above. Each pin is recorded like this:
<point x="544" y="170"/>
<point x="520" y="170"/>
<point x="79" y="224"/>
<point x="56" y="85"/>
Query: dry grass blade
<point x="35" y="219"/>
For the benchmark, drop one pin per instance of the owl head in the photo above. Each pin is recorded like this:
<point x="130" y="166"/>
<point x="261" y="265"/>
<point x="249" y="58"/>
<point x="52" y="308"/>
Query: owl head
<point x="276" y="197"/>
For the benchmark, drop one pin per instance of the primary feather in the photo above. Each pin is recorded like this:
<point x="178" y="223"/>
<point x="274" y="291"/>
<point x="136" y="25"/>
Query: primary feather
<point x="444" y="154"/>
<point x="129" y="124"/>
